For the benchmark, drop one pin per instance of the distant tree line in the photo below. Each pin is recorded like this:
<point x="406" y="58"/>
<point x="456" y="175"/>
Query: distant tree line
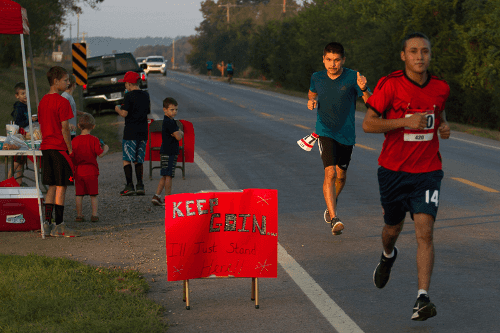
<point x="46" y="19"/>
<point x="287" y="48"/>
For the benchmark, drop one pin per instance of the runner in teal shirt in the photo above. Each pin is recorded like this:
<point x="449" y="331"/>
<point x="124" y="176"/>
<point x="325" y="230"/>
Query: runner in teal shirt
<point x="334" y="92"/>
<point x="336" y="105"/>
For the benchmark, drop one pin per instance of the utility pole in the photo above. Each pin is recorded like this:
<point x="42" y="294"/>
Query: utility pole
<point x="229" y="5"/>
<point x="83" y="36"/>
<point x="173" y="54"/>
<point x="77" y="26"/>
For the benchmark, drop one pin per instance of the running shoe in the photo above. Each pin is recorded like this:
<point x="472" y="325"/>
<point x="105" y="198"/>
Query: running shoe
<point x="128" y="190"/>
<point x="94" y="218"/>
<point x="60" y="230"/>
<point x="139" y="189"/>
<point x="326" y="216"/>
<point x="157" y="200"/>
<point x="337" y="226"/>
<point x="423" y="308"/>
<point x="382" y="273"/>
<point x="47" y="228"/>
<point x="79" y="219"/>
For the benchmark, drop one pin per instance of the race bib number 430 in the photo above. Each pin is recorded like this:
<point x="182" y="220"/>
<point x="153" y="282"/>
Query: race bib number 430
<point x="420" y="135"/>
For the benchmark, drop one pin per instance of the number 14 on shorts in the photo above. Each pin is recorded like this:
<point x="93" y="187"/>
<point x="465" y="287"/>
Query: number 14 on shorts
<point x="432" y="198"/>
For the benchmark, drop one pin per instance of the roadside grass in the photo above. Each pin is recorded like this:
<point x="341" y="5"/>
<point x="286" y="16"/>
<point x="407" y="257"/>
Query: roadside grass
<point x="106" y="129"/>
<point x="43" y="294"/>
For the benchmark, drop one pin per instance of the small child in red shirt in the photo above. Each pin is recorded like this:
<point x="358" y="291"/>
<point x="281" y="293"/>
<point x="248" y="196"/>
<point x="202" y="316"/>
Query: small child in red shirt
<point x="86" y="148"/>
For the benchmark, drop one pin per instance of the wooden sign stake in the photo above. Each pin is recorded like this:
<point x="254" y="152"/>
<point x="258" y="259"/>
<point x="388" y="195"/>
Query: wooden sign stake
<point x="254" y="297"/>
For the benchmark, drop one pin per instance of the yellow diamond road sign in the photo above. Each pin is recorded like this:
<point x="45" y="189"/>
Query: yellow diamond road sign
<point x="80" y="63"/>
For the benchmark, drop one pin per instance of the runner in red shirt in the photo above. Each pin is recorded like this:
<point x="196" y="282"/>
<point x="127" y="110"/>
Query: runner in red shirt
<point x="408" y="107"/>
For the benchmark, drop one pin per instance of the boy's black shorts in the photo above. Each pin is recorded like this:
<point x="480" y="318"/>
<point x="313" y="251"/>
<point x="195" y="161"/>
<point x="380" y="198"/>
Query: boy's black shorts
<point x="56" y="168"/>
<point x="402" y="192"/>
<point x="334" y="153"/>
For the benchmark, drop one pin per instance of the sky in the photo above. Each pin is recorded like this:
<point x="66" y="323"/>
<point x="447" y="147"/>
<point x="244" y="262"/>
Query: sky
<point x="136" y="18"/>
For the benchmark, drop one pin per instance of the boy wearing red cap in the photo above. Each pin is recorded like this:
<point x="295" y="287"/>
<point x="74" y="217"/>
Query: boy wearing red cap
<point x="135" y="109"/>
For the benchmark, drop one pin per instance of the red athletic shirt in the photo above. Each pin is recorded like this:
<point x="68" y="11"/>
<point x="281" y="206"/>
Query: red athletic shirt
<point x="52" y="111"/>
<point x="86" y="148"/>
<point x="397" y="96"/>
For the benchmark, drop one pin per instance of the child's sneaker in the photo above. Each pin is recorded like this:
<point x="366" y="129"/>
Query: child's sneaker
<point x="307" y="143"/>
<point x="60" y="230"/>
<point x="157" y="200"/>
<point x="94" y="218"/>
<point x="139" y="189"/>
<point x="47" y="228"/>
<point x="128" y="190"/>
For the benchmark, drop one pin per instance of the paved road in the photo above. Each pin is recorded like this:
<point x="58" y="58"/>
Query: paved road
<point x="248" y="137"/>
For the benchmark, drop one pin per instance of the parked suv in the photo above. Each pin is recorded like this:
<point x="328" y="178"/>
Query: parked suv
<point x="103" y="90"/>
<point x="156" y="64"/>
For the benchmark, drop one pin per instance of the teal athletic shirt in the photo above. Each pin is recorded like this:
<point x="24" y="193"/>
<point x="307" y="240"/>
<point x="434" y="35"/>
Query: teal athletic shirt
<point x="336" y="105"/>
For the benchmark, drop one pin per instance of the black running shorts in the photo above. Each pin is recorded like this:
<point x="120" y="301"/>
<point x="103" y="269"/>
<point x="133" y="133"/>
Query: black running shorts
<point x="402" y="192"/>
<point x="56" y="168"/>
<point x="334" y="153"/>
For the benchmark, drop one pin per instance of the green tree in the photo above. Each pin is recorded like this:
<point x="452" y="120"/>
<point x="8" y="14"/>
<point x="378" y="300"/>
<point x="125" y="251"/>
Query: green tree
<point x="45" y="18"/>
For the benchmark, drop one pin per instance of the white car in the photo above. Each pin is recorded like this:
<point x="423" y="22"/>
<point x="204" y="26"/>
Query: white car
<point x="156" y="64"/>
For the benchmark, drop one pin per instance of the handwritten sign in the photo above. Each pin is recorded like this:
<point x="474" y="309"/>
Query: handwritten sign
<point x="222" y="234"/>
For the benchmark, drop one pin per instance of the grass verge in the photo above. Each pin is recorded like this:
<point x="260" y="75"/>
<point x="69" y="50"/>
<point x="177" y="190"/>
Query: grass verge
<point x="106" y="129"/>
<point x="42" y="294"/>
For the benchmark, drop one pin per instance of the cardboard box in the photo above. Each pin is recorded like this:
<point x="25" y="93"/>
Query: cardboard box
<point x="19" y="209"/>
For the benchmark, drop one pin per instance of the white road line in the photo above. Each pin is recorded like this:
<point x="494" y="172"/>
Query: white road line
<point x="328" y="308"/>
<point x="218" y="183"/>
<point x="474" y="143"/>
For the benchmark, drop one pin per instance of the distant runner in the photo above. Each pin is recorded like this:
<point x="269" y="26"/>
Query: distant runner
<point x="230" y="71"/>
<point x="210" y="65"/>
<point x="336" y="89"/>
<point x="408" y="107"/>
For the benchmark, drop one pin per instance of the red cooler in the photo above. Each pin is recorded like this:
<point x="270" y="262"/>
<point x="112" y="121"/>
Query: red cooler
<point x="19" y="209"/>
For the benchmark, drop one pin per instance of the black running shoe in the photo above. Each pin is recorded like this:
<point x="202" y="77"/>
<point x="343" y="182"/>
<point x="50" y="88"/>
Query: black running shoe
<point x="423" y="308"/>
<point x="139" y="189"/>
<point x="128" y="190"/>
<point x="337" y="226"/>
<point x="382" y="273"/>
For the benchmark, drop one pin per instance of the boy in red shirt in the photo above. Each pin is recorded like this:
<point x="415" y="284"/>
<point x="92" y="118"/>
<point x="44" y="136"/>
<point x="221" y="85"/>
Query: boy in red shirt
<point x="408" y="107"/>
<point x="54" y="111"/>
<point x="86" y="148"/>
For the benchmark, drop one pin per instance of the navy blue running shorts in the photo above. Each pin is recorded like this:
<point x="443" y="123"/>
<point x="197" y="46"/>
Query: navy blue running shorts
<point x="168" y="163"/>
<point x="334" y="153"/>
<point x="402" y="192"/>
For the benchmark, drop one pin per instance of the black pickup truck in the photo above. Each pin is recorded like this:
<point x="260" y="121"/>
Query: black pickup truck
<point x="103" y="91"/>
